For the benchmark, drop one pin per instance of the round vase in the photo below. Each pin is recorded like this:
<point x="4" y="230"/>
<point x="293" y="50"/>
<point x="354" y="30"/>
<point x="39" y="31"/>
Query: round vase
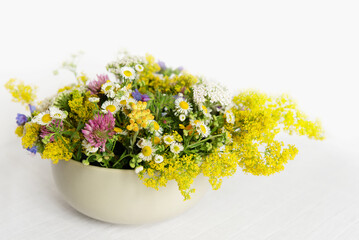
<point x="119" y="196"/>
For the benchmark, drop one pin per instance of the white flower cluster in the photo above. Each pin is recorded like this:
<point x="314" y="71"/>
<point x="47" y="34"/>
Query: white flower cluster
<point x="214" y="92"/>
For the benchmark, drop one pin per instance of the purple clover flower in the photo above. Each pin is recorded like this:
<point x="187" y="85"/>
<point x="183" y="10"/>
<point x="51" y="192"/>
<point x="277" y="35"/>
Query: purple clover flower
<point x="95" y="85"/>
<point x="99" y="129"/>
<point x="21" y="119"/>
<point x="33" y="150"/>
<point x="140" y="97"/>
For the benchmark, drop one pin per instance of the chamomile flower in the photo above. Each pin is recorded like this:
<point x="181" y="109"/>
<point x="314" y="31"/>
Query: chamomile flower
<point x="203" y="130"/>
<point x="147" y="151"/>
<point x="182" y="117"/>
<point x="43" y="118"/>
<point x="120" y="131"/>
<point x="128" y="73"/>
<point x="88" y="147"/>
<point x="196" y="123"/>
<point x="94" y="99"/>
<point x="168" y="139"/>
<point x="111" y="106"/>
<point x="182" y="106"/>
<point x="56" y="113"/>
<point x="129" y="102"/>
<point x="205" y="110"/>
<point x="138" y="169"/>
<point x="155" y="128"/>
<point x="108" y="89"/>
<point x="158" y="159"/>
<point x="229" y="117"/>
<point x="139" y="68"/>
<point x="176" y="148"/>
<point x="122" y="102"/>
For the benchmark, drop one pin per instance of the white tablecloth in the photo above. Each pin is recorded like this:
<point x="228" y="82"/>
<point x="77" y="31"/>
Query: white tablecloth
<point x="316" y="197"/>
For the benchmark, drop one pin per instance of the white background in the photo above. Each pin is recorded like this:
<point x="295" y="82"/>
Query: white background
<point x="309" y="49"/>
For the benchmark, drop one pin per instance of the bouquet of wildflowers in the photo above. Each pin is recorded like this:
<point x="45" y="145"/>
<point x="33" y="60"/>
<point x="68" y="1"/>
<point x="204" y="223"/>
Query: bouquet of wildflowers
<point x="164" y="123"/>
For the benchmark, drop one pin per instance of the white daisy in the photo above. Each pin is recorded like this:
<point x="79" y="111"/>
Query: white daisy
<point x="88" y="147"/>
<point x="182" y="106"/>
<point x="94" y="99"/>
<point x="139" y="68"/>
<point x="111" y="106"/>
<point x="108" y="89"/>
<point x="203" y="130"/>
<point x="138" y="169"/>
<point x="196" y="123"/>
<point x="205" y="110"/>
<point x="120" y="131"/>
<point x="129" y="102"/>
<point x="182" y="117"/>
<point x="147" y="151"/>
<point x="158" y="159"/>
<point x="56" y="113"/>
<point x="43" y="118"/>
<point x="128" y="73"/>
<point x="168" y="139"/>
<point x="176" y="148"/>
<point x="230" y="117"/>
<point x="155" y="128"/>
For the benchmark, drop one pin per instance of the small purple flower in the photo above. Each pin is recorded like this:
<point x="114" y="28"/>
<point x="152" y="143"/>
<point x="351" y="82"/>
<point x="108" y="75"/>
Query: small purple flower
<point x="32" y="108"/>
<point x="33" y="150"/>
<point x="98" y="130"/>
<point x="140" y="97"/>
<point x="162" y="65"/>
<point x="21" y="119"/>
<point x="95" y="85"/>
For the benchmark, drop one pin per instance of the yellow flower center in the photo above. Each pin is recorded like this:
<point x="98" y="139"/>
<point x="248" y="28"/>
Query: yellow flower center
<point x="156" y="126"/>
<point x="123" y="102"/>
<point x="203" y="129"/>
<point x="117" y="129"/>
<point x="127" y="73"/>
<point x="184" y="105"/>
<point x="196" y="122"/>
<point x="146" y="151"/>
<point x="46" y="118"/>
<point x="204" y="109"/>
<point x="156" y="140"/>
<point x="111" y="108"/>
<point x="108" y="88"/>
<point x="169" y="139"/>
<point x="176" y="148"/>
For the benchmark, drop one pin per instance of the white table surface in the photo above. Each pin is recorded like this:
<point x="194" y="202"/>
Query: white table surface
<point x="316" y="197"/>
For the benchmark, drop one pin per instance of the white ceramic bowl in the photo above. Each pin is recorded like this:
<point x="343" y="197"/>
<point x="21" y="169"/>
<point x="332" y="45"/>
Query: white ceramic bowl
<point x="118" y="196"/>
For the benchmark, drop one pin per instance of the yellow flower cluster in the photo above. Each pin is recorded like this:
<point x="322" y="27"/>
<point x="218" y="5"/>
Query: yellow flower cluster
<point x="218" y="165"/>
<point x="259" y="118"/>
<point x="20" y="92"/>
<point x="31" y="134"/>
<point x="152" y="82"/>
<point x="139" y="116"/>
<point x="19" y="131"/>
<point x="57" y="150"/>
<point x="177" y="136"/>
<point x="81" y="108"/>
<point x="183" y="170"/>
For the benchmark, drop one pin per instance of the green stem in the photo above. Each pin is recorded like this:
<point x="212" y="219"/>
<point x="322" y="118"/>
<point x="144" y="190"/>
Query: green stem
<point x="204" y="140"/>
<point x="119" y="160"/>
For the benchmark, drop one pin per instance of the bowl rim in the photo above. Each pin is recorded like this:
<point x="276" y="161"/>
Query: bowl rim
<point x="80" y="164"/>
